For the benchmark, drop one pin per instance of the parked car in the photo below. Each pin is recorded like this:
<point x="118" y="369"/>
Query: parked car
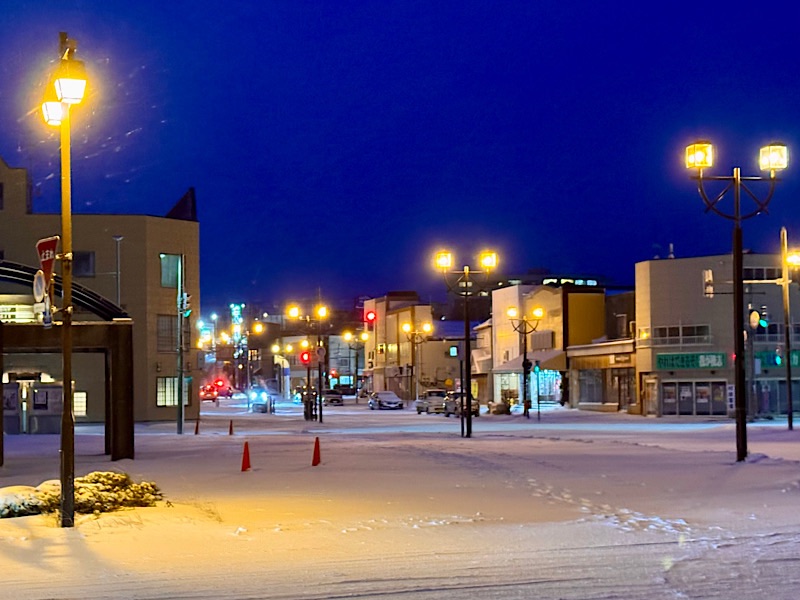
<point x="332" y="398"/>
<point x="435" y="401"/>
<point x="261" y="400"/>
<point x="384" y="400"/>
<point x="208" y="393"/>
<point x="460" y="400"/>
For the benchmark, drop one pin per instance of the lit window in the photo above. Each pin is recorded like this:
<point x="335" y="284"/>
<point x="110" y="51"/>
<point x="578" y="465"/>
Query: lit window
<point x="169" y="270"/>
<point x="79" y="404"/>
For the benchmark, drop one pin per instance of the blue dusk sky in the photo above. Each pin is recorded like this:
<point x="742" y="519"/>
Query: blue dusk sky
<point x="334" y="145"/>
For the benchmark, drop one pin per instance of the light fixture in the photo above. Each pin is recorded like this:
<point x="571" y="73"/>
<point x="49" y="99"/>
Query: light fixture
<point x="773" y="157"/>
<point x="699" y="155"/>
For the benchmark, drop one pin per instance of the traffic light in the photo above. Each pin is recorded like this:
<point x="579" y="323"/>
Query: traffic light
<point x="369" y="318"/>
<point x="536" y="367"/>
<point x="763" y="320"/>
<point x="184" y="305"/>
<point x="305" y="357"/>
<point x="778" y="356"/>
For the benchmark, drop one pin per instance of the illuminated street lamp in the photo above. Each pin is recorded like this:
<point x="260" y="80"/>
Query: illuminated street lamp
<point x="66" y="87"/>
<point x="320" y="313"/>
<point x="526" y="325"/>
<point x="355" y="343"/>
<point x="462" y="283"/>
<point x="772" y="158"/>
<point x="416" y="337"/>
<point x="789" y="260"/>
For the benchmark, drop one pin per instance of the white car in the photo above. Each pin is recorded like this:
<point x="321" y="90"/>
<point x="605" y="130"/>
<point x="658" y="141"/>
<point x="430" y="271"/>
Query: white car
<point x="436" y="401"/>
<point x="385" y="400"/>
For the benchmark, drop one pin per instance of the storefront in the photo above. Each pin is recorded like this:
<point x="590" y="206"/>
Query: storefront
<point x="692" y="384"/>
<point x="603" y="376"/>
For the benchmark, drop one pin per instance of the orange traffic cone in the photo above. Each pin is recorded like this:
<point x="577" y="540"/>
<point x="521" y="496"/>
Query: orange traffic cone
<point x="316" y="460"/>
<point x="230" y="428"/>
<point x="246" y="458"/>
<point x="197" y="426"/>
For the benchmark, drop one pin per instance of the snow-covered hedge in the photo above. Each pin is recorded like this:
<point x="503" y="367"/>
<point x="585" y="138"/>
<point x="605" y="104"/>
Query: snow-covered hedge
<point x="101" y="491"/>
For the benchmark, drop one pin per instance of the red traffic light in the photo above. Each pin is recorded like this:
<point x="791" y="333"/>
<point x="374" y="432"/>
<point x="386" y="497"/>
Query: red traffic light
<point x="305" y="357"/>
<point x="369" y="316"/>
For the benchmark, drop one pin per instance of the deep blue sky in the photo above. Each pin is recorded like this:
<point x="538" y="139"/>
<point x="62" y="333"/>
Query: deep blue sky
<point x="334" y="145"/>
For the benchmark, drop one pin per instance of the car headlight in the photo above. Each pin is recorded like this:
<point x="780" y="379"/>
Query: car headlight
<point x="264" y="395"/>
<point x="253" y="396"/>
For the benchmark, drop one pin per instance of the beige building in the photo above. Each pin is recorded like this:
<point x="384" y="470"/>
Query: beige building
<point x="148" y="251"/>
<point x="573" y="315"/>
<point x="402" y="362"/>
<point x="685" y="343"/>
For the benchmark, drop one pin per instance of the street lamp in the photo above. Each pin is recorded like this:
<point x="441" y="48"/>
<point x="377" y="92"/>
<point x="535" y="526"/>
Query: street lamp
<point x="465" y="286"/>
<point x="788" y="261"/>
<point x="416" y="337"/>
<point x="65" y="88"/>
<point x="320" y="313"/>
<point x="354" y="343"/>
<point x="278" y="354"/>
<point x="772" y="158"/>
<point x="525" y="325"/>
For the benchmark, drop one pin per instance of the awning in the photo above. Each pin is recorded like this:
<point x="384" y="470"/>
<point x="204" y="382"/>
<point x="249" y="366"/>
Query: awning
<point x="549" y="360"/>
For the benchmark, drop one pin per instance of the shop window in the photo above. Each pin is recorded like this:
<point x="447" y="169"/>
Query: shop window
<point x="79" y="404"/>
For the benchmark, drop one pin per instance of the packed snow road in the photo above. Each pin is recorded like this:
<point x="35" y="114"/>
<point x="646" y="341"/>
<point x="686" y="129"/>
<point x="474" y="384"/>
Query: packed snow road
<point x="576" y="506"/>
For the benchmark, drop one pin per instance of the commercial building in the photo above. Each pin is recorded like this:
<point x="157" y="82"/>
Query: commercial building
<point x="135" y="257"/>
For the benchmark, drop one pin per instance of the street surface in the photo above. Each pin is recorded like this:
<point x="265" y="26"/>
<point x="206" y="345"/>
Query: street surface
<point x="575" y="505"/>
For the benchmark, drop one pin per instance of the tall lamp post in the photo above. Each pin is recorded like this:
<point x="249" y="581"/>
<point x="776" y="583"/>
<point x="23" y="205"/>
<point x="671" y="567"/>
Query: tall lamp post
<point x="788" y="260"/>
<point x="463" y="283"/>
<point x="66" y="87"/>
<point x="525" y="326"/>
<point x="320" y="314"/>
<point x="772" y="158"/>
<point x="416" y="337"/>
<point x="355" y="344"/>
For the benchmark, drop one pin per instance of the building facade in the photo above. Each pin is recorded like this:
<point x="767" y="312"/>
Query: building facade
<point x="685" y="343"/>
<point x="137" y="257"/>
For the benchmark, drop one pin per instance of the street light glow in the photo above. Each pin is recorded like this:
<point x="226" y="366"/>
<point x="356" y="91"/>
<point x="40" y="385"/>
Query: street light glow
<point x="488" y="260"/>
<point x="443" y="260"/>
<point x="699" y="155"/>
<point x="538" y="313"/>
<point x="773" y="157"/>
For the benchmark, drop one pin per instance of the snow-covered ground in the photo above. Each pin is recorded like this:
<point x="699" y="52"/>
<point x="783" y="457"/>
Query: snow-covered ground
<point x="578" y="505"/>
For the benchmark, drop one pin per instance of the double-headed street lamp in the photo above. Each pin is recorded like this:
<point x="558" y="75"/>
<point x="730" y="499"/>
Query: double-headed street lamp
<point x="416" y="337"/>
<point x="525" y="326"/>
<point x="355" y="343"/>
<point x="772" y="158"/>
<point x="66" y="87"/>
<point x="789" y="260"/>
<point x="465" y="285"/>
<point x="319" y="315"/>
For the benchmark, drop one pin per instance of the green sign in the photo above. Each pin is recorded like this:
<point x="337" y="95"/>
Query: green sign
<point x="774" y="359"/>
<point x="701" y="360"/>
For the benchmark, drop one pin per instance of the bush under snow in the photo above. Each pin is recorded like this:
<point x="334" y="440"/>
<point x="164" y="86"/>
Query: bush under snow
<point x="100" y="491"/>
